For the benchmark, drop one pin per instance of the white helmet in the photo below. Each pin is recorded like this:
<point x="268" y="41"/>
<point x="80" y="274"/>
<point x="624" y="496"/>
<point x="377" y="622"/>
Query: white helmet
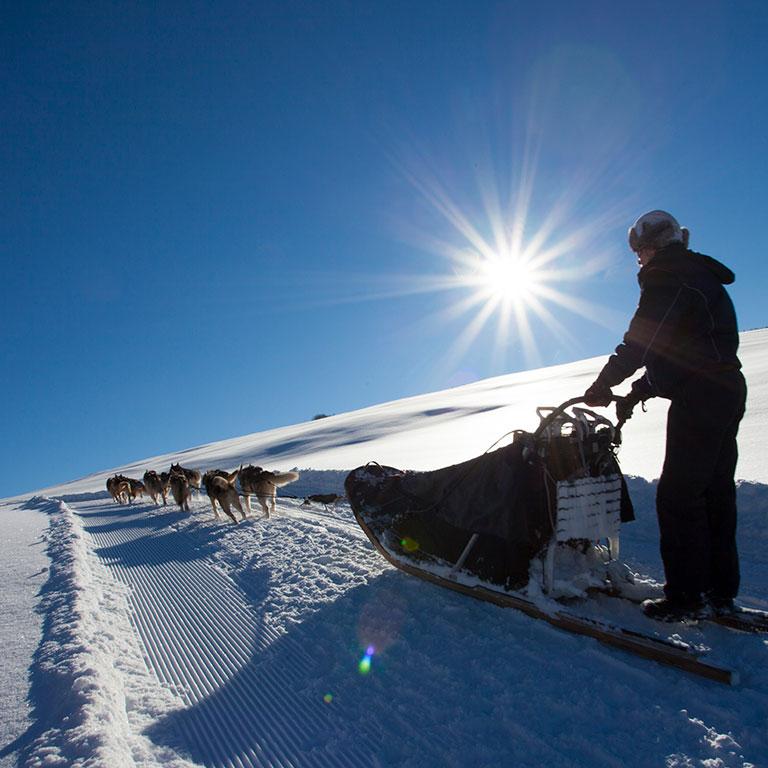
<point x="656" y="229"/>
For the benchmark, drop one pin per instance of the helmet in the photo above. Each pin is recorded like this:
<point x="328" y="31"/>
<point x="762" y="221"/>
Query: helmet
<point x="656" y="229"/>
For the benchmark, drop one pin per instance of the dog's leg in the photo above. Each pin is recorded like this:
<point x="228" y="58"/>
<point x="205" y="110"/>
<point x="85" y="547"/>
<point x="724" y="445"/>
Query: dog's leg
<point x="225" y="506"/>
<point x="238" y="505"/>
<point x="213" y="504"/>
<point x="247" y="505"/>
<point x="264" y="505"/>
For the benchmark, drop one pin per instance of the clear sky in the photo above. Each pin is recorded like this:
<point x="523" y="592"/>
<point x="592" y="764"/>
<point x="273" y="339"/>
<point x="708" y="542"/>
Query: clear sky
<point x="219" y="218"/>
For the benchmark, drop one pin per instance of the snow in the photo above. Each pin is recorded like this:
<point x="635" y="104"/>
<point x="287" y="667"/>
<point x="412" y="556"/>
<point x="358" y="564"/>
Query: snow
<point x="143" y="636"/>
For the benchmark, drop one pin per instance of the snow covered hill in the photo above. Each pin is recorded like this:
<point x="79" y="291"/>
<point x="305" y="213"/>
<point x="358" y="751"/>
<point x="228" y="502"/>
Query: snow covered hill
<point x="170" y="639"/>
<point x="443" y="428"/>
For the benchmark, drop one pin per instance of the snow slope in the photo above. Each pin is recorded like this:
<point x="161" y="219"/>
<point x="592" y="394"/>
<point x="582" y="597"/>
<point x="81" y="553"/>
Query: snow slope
<point x="168" y="638"/>
<point x="443" y="428"/>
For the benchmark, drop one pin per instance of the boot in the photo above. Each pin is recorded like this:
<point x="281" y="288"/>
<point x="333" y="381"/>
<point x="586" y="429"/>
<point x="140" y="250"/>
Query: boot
<point x="722" y="606"/>
<point x="667" y="609"/>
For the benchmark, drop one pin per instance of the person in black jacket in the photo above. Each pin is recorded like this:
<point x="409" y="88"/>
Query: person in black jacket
<point x="684" y="333"/>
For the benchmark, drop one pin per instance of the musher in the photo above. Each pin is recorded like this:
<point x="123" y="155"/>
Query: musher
<point x="684" y="333"/>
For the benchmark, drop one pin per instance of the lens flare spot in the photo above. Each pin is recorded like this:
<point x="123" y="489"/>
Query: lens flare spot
<point x="380" y="620"/>
<point x="364" y="667"/>
<point x="409" y="544"/>
<point x="328" y="698"/>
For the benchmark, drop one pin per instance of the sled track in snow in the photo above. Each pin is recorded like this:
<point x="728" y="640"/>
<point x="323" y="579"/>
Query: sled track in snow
<point x="204" y="641"/>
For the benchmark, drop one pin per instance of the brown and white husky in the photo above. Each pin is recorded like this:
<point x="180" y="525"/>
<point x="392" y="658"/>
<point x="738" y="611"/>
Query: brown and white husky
<point x="263" y="484"/>
<point x="180" y="490"/>
<point x="155" y="487"/>
<point x="119" y="489"/>
<point x="192" y="475"/>
<point x="137" y="489"/>
<point x="220" y="487"/>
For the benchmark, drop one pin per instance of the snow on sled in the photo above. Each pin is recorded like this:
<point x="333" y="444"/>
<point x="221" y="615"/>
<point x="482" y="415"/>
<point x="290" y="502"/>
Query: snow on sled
<point x="531" y="526"/>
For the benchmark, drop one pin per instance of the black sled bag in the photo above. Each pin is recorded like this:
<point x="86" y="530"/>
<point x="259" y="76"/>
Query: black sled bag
<point x="507" y="497"/>
<point x="431" y="515"/>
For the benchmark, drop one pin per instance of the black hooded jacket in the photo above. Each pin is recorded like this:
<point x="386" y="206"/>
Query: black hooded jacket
<point x="684" y="325"/>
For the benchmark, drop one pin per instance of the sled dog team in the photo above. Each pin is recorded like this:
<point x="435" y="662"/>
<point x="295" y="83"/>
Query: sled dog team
<point x="219" y="485"/>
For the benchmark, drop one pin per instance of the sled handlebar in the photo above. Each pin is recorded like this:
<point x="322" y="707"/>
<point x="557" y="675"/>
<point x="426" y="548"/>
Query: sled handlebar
<point x="560" y="410"/>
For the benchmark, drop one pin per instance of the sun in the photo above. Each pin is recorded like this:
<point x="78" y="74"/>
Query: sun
<point x="507" y="278"/>
<point x="509" y="261"/>
<point x="505" y="263"/>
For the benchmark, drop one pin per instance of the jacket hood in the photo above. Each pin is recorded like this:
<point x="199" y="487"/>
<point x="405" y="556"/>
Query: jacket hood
<point x="685" y="259"/>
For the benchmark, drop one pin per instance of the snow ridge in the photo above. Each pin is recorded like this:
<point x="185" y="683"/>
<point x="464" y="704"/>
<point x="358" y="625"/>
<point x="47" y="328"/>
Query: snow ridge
<point x="82" y="667"/>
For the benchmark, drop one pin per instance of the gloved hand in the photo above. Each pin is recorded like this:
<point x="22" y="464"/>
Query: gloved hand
<point x="625" y="406"/>
<point x="597" y="394"/>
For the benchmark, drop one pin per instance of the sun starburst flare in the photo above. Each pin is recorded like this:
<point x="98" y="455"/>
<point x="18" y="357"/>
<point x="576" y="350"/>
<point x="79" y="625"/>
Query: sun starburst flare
<point x="521" y="275"/>
<point x="502" y="264"/>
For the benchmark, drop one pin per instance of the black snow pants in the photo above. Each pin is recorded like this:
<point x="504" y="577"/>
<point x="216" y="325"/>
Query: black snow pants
<point x="696" y="495"/>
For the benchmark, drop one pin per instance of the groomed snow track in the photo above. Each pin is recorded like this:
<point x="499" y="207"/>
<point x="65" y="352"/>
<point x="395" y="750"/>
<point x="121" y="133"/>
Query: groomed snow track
<point x="205" y="642"/>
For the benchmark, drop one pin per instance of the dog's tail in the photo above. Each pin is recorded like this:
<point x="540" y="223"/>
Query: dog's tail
<point x="232" y="476"/>
<point x="283" y="478"/>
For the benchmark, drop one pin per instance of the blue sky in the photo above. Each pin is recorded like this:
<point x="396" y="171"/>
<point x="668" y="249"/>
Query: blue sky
<point x="219" y="218"/>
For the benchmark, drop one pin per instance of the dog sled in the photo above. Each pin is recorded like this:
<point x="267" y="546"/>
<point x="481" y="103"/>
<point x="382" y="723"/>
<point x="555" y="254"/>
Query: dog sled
<point x="533" y="525"/>
<point x="508" y="515"/>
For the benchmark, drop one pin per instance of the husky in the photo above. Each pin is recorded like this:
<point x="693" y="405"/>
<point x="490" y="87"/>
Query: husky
<point x="322" y="498"/>
<point x="220" y="486"/>
<point x="263" y="484"/>
<point x="119" y="488"/>
<point x="112" y="487"/>
<point x="192" y="475"/>
<point x="180" y="489"/>
<point x="208" y="485"/>
<point x="124" y="490"/>
<point x="155" y="487"/>
<point x="135" y="489"/>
